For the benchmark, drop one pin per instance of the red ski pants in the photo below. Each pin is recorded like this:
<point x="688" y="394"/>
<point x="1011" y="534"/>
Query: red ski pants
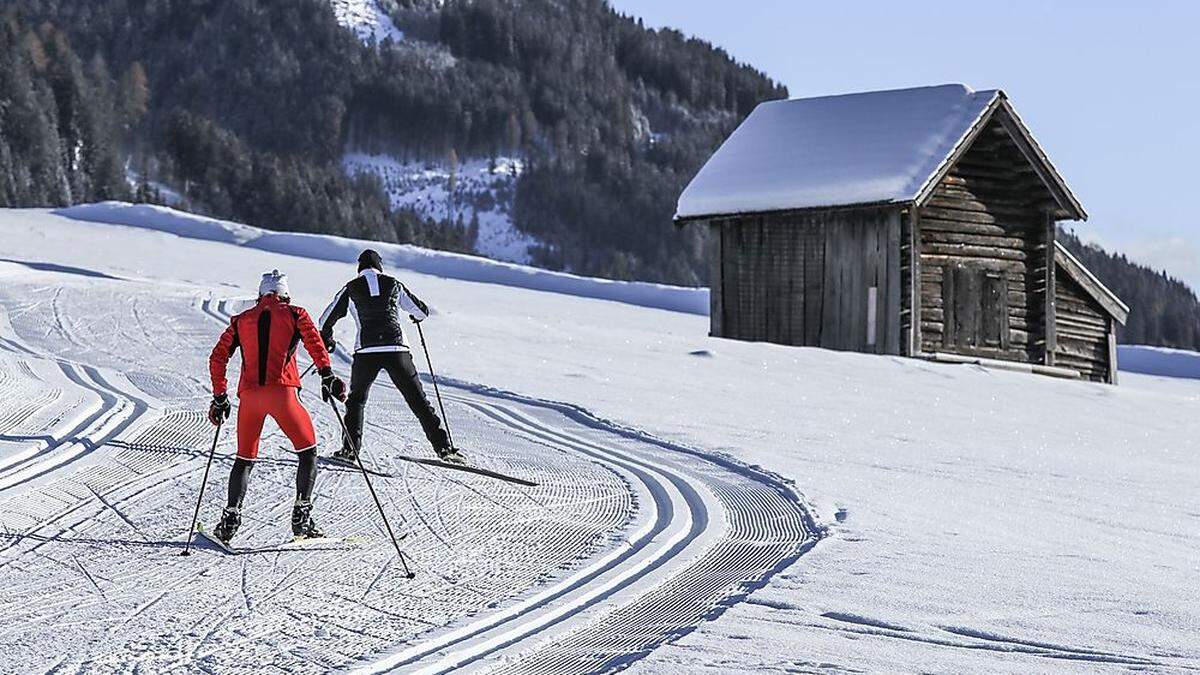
<point x="282" y="403"/>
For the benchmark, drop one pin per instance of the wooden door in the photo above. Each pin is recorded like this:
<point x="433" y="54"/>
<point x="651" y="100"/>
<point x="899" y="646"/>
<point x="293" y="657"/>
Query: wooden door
<point x="975" y="307"/>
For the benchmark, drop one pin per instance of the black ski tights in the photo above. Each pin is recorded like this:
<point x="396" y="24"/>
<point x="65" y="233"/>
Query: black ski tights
<point x="402" y="370"/>
<point x="306" y="474"/>
<point x="238" y="479"/>
<point x="306" y="477"/>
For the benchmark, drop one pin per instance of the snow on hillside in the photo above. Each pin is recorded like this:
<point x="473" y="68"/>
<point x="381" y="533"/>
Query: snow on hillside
<point x="367" y="19"/>
<point x="1159" y="361"/>
<point x="969" y="520"/>
<point x="484" y="190"/>
<point x="440" y="263"/>
<point x="166" y="194"/>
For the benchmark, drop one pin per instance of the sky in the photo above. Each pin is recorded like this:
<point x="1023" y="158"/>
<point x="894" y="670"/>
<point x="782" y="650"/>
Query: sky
<point x="1110" y="89"/>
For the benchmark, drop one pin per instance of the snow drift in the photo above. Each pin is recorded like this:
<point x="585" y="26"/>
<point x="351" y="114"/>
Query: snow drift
<point x="1160" y="361"/>
<point x="413" y="258"/>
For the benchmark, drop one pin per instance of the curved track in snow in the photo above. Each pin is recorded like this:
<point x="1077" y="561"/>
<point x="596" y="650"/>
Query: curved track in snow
<point x="627" y="543"/>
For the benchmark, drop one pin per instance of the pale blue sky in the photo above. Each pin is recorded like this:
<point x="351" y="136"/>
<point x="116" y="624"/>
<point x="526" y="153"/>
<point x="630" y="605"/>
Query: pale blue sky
<point x="1110" y="89"/>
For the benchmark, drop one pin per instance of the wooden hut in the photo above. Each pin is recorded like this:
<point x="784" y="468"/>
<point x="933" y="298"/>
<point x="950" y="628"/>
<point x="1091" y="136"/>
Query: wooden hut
<point x="918" y="221"/>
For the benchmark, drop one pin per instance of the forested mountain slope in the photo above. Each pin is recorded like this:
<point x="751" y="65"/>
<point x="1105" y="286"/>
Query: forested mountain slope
<point x="252" y="104"/>
<point x="1163" y="310"/>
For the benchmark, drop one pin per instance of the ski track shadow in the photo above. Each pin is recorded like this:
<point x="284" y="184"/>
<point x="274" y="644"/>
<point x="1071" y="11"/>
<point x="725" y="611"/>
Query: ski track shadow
<point x="50" y="441"/>
<point x="90" y="542"/>
<point x="985" y="641"/>
<point x="62" y="269"/>
<point x="326" y="465"/>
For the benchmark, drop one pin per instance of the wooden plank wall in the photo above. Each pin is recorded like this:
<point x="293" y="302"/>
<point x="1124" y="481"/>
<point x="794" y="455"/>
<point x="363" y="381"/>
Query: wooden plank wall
<point x="1083" y="331"/>
<point x="716" y="310"/>
<point x="910" y="341"/>
<point x="806" y="279"/>
<point x="862" y="252"/>
<point x="767" y="280"/>
<point x="986" y="217"/>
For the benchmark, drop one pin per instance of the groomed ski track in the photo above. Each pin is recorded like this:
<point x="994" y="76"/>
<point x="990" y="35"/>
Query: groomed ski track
<point x="629" y="542"/>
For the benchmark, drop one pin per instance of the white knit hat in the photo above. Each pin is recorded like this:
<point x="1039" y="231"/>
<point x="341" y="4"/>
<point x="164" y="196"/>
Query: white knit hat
<point x="274" y="282"/>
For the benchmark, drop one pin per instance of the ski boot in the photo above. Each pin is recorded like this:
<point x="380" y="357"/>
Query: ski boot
<point x="231" y="520"/>
<point x="450" y="455"/>
<point x="303" y="525"/>
<point x="347" y="455"/>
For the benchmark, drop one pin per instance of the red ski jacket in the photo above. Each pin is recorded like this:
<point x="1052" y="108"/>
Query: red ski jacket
<point x="268" y="335"/>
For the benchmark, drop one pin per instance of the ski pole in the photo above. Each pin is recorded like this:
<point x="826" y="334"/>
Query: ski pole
<point x="308" y="370"/>
<point x="367" y="477"/>
<point x="187" y="548"/>
<point x="437" y="392"/>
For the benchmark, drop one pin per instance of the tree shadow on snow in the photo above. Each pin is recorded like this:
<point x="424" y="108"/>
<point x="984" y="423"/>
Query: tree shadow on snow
<point x="62" y="269"/>
<point x="13" y="538"/>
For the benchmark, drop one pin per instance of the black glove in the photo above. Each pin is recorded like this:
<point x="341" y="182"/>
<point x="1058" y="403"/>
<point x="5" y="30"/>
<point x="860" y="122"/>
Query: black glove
<point x="330" y="343"/>
<point x="415" y="319"/>
<point x="218" y="410"/>
<point x="332" y="386"/>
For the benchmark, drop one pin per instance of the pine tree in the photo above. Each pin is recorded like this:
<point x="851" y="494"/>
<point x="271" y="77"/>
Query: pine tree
<point x="134" y="96"/>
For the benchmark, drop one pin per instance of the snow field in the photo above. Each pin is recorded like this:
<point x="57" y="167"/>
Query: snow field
<point x="142" y="479"/>
<point x="1160" y="361"/>
<point x="977" y="521"/>
<point x="90" y="537"/>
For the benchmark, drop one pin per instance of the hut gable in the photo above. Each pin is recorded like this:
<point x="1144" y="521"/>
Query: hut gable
<point x="983" y="234"/>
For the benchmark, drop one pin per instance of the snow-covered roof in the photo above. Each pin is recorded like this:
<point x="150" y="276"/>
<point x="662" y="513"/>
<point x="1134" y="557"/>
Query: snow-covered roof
<point x="868" y="148"/>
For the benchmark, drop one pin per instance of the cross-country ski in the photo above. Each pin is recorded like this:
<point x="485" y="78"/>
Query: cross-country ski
<point x="578" y="337"/>
<point x="341" y="465"/>
<point x="291" y="544"/>
<point x="428" y="461"/>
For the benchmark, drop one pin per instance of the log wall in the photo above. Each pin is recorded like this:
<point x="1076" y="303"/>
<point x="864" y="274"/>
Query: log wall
<point x="1083" y="331"/>
<point x="982" y="238"/>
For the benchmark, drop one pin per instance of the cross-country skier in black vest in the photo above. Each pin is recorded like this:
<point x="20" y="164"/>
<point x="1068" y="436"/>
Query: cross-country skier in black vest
<point x="375" y="300"/>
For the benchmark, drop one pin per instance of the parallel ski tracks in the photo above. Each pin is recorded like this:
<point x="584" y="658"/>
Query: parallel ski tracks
<point x="709" y="531"/>
<point x="768" y="528"/>
<point x="751" y="550"/>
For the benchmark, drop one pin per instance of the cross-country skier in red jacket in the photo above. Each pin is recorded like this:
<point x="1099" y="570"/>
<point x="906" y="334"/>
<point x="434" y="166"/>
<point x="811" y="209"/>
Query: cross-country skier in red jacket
<point x="268" y="335"/>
